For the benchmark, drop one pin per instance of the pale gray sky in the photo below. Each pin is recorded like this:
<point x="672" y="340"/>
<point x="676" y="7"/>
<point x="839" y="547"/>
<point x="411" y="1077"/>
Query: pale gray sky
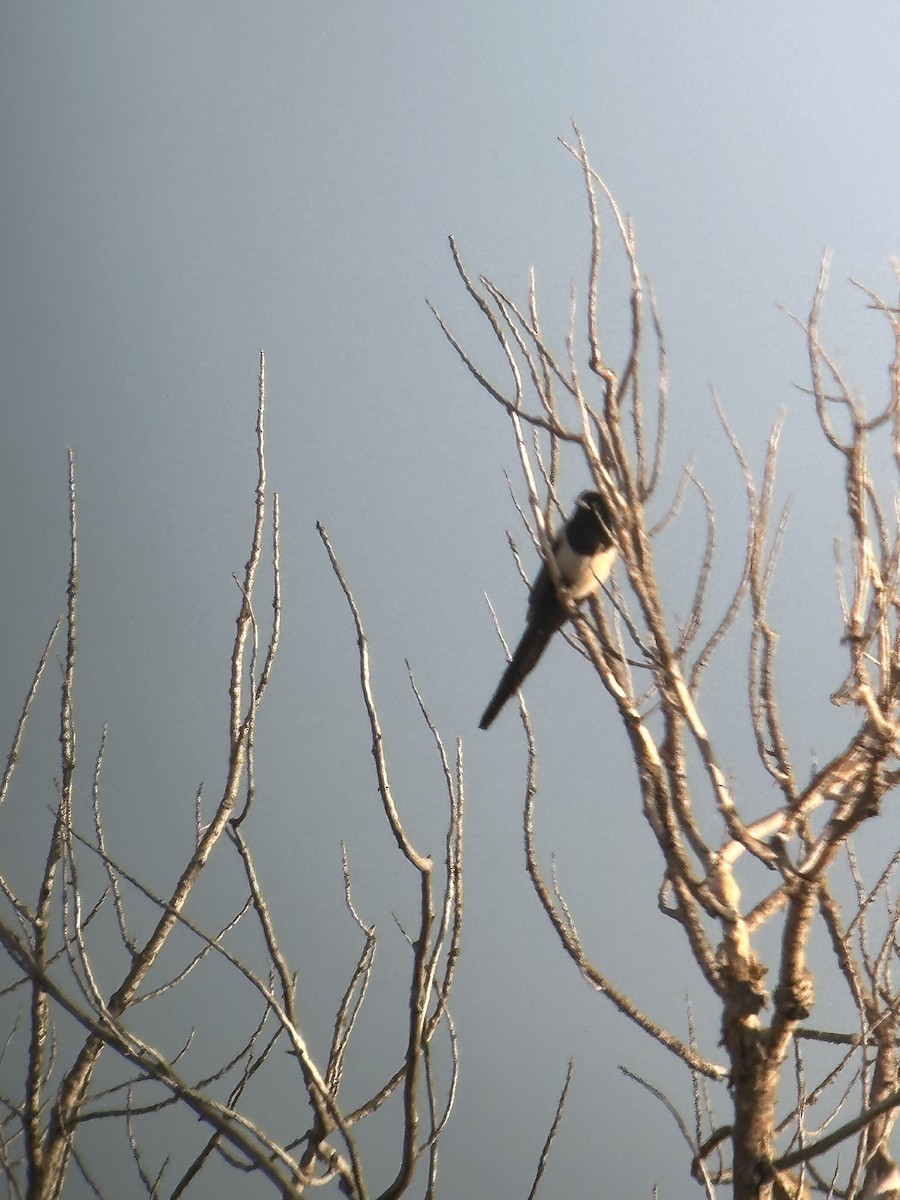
<point x="186" y="183"/>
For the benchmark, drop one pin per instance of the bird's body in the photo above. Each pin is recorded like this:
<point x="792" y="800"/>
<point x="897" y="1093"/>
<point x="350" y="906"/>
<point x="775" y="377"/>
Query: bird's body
<point x="583" y="552"/>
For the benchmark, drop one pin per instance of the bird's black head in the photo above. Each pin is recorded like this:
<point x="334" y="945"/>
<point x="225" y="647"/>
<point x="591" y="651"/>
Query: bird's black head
<point x="593" y="502"/>
<point x="590" y="527"/>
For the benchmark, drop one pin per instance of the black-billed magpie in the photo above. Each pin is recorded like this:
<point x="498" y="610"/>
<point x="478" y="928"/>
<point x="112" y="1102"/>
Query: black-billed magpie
<point x="583" y="552"/>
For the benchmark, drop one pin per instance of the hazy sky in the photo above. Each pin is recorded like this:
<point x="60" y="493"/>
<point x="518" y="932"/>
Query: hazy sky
<point x="186" y="183"/>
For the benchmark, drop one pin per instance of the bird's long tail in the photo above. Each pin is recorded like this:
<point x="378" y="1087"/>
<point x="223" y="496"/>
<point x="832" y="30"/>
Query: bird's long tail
<point x="524" y="660"/>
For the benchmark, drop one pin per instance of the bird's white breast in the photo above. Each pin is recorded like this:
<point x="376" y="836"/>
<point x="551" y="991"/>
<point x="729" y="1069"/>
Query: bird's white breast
<point x="582" y="576"/>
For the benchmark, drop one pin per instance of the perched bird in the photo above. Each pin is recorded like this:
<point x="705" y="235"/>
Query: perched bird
<point x="583" y="552"/>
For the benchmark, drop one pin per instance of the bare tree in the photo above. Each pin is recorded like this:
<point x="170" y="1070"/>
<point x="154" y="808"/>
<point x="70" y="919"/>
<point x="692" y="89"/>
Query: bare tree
<point x="75" y="1053"/>
<point x="772" y="1115"/>
<point x="761" y="1125"/>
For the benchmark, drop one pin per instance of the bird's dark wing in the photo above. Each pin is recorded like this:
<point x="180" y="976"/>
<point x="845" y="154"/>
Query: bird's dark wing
<point x="546" y="614"/>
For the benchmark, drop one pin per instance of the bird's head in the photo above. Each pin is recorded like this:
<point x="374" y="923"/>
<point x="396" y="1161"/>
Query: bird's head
<point x="594" y="504"/>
